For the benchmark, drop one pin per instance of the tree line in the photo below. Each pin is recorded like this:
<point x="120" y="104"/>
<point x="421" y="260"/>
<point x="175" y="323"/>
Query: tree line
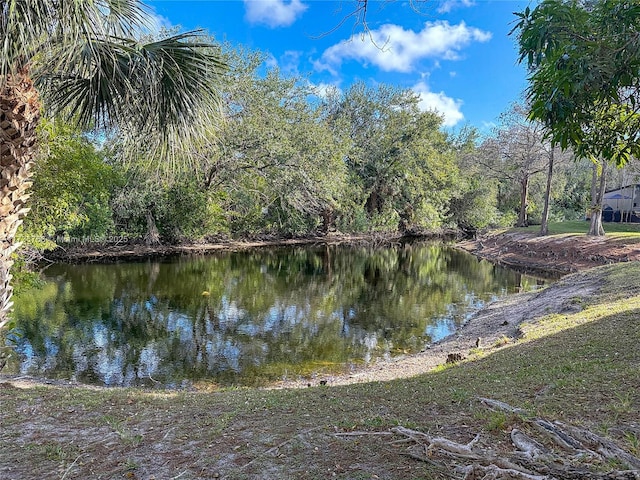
<point x="291" y="160"/>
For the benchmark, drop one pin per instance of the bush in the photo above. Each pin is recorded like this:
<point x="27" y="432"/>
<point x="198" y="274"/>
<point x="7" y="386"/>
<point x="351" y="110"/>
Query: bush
<point x="72" y="188"/>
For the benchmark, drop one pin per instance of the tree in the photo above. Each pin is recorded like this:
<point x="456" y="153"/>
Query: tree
<point x="82" y="59"/>
<point x="598" y="182"/>
<point x="473" y="206"/>
<point x="584" y="84"/>
<point x="554" y="158"/>
<point x="360" y="10"/>
<point x="275" y="161"/>
<point x="72" y="188"/>
<point x="514" y="155"/>
<point x="522" y="153"/>
<point x="473" y="202"/>
<point x="544" y="224"/>
<point x="155" y="209"/>
<point x="570" y="190"/>
<point x="401" y="165"/>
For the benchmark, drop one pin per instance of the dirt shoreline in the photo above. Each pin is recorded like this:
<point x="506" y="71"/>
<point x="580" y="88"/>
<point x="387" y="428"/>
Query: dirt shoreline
<point x="493" y="327"/>
<point x="555" y="254"/>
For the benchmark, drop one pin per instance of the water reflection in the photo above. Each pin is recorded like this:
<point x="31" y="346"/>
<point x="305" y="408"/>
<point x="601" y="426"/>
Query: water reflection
<point x="244" y="318"/>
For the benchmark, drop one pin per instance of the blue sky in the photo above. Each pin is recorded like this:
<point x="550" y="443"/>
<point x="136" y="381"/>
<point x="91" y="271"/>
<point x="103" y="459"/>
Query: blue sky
<point x="455" y="53"/>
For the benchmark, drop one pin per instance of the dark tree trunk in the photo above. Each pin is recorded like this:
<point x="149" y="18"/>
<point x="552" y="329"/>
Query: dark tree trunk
<point x="524" y="201"/>
<point x="152" y="238"/>
<point x="594" y="184"/>
<point x="406" y="222"/>
<point x="328" y="221"/>
<point x="19" y="116"/>
<point x="373" y="204"/>
<point x="544" y="225"/>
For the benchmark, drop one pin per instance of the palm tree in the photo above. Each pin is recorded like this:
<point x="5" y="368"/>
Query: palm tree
<point x="92" y="61"/>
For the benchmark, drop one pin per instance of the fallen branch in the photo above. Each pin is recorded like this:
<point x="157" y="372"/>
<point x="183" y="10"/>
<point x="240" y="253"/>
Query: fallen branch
<point x="359" y="434"/>
<point x="446" y="446"/>
<point x="606" y="448"/>
<point x="558" y="436"/>
<point x="530" y="447"/>
<point x="504" y="407"/>
<point x="456" y="449"/>
<point x="531" y="460"/>
<point x="412" y="434"/>
<point x="434" y="446"/>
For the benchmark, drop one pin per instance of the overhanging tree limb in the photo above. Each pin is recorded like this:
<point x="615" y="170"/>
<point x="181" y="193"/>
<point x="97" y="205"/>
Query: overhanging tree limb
<point x="584" y="63"/>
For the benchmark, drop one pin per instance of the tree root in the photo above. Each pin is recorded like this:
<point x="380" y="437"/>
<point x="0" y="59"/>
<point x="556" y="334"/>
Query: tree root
<point x="574" y="453"/>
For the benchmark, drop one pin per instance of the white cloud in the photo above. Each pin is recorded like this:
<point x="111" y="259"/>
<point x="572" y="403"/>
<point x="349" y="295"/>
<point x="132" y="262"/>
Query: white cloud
<point x="271" y="61"/>
<point x="288" y="63"/>
<point x="156" y="23"/>
<point x="274" y="13"/>
<point x="448" y="107"/>
<point x="392" y="48"/>
<point x="160" y="22"/>
<point x="325" y="90"/>
<point x="448" y="5"/>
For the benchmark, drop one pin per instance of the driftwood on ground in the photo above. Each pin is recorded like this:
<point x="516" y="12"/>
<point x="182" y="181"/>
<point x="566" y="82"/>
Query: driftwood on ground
<point x="559" y="452"/>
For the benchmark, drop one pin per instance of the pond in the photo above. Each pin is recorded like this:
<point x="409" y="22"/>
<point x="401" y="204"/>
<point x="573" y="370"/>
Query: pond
<point x="247" y="318"/>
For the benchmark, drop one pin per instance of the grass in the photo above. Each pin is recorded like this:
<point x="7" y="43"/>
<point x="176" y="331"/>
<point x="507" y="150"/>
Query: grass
<point x="582" y="227"/>
<point x="582" y="368"/>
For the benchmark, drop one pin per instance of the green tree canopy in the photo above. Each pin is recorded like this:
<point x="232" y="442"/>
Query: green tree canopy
<point x="584" y="61"/>
<point x="277" y="166"/>
<point x="72" y="187"/>
<point x="398" y="158"/>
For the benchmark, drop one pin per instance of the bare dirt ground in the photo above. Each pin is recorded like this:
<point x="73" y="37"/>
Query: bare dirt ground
<point x="559" y="254"/>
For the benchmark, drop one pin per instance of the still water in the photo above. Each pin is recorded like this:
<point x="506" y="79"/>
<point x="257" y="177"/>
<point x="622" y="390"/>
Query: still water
<point x="246" y="318"/>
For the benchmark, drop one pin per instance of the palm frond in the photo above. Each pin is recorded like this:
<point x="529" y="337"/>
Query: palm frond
<point x="165" y="90"/>
<point x="22" y="26"/>
<point x="181" y="73"/>
<point x="90" y="62"/>
<point x="29" y="28"/>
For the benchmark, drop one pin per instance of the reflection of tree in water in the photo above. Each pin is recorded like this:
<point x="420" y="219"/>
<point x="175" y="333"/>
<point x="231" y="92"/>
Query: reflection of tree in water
<point x="239" y="317"/>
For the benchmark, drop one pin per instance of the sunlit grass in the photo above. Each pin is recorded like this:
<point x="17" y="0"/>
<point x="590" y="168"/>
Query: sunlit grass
<point x="556" y="323"/>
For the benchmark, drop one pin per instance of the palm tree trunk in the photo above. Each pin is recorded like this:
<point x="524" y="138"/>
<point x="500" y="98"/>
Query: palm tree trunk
<point x="19" y="115"/>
